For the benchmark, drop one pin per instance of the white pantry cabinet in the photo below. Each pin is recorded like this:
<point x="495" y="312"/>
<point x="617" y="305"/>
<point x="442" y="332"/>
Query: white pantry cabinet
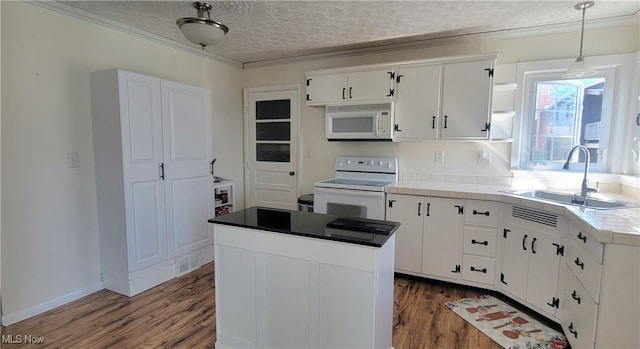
<point x="447" y="101"/>
<point x="367" y="85"/>
<point x="152" y="147"/>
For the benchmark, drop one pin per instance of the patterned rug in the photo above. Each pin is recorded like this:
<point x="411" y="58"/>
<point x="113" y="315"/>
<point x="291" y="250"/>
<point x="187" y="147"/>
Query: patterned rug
<point x="506" y="325"/>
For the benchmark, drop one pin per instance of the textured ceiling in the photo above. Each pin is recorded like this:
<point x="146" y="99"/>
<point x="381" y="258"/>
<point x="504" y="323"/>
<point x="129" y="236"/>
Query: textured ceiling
<point x="268" y="30"/>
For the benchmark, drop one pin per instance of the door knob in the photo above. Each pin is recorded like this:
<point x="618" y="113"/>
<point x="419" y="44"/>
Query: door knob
<point x="291" y="173"/>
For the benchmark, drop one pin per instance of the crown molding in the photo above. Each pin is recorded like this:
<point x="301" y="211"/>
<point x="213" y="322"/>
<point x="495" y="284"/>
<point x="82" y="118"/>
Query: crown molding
<point x="408" y="45"/>
<point x="612" y="22"/>
<point x="105" y="22"/>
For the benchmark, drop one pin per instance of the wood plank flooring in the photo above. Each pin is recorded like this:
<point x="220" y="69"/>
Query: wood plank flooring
<point x="181" y="314"/>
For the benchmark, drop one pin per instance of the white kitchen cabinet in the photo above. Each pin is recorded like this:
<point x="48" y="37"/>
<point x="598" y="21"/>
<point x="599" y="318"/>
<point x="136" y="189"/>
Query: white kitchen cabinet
<point x="356" y="86"/>
<point x="407" y="209"/>
<point x="151" y="148"/>
<point x="443" y="227"/>
<point x="531" y="256"/>
<point x="417" y="109"/>
<point x="466" y="99"/>
<point x="600" y="302"/>
<point x="479" y="241"/>
<point x="448" y="101"/>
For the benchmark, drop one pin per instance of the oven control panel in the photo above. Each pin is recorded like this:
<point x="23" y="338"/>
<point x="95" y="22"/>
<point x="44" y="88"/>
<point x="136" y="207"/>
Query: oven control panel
<point x="367" y="164"/>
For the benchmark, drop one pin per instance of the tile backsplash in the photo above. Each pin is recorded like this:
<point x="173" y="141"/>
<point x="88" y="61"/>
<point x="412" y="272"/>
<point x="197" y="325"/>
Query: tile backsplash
<point x="607" y="183"/>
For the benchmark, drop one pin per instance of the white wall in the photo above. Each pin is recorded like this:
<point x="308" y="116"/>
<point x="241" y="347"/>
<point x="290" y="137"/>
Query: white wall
<point x="417" y="158"/>
<point x="49" y="219"/>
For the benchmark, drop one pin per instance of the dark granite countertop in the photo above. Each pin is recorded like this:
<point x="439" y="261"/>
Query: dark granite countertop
<point x="360" y="231"/>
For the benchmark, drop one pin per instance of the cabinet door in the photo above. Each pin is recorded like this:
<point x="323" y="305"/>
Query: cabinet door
<point x="442" y="240"/>
<point x="515" y="260"/>
<point x="370" y="85"/>
<point x="418" y="102"/>
<point x="329" y="88"/>
<point x="142" y="154"/>
<point x="408" y="210"/>
<point x="466" y="100"/>
<point x="186" y="116"/>
<point x="544" y="267"/>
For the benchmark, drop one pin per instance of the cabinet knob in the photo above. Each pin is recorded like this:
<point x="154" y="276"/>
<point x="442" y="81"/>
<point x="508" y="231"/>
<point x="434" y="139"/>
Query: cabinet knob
<point x="291" y="173"/>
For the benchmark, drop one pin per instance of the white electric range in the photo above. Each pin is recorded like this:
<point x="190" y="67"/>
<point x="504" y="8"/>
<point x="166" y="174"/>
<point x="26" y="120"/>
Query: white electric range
<point x="358" y="187"/>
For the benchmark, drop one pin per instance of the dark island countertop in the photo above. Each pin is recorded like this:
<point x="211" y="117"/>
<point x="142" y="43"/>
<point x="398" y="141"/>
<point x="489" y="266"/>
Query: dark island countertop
<point x="360" y="231"/>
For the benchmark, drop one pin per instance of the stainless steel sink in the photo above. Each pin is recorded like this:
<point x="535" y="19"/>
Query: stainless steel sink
<point x="572" y="199"/>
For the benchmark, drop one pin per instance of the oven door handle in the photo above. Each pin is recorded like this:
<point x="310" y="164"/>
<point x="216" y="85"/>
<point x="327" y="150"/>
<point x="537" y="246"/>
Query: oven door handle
<point x="377" y="194"/>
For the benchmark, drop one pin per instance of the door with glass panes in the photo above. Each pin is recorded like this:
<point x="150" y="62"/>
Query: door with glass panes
<point x="271" y="149"/>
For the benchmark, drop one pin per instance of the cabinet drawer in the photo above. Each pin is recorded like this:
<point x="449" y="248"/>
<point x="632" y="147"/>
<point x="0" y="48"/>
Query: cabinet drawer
<point x="579" y="313"/>
<point x="482" y="213"/>
<point x="593" y="246"/>
<point x="585" y="268"/>
<point x="480" y="241"/>
<point x="478" y="269"/>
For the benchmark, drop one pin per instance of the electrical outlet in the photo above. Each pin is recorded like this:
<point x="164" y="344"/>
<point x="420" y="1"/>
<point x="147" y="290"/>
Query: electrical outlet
<point x="439" y="156"/>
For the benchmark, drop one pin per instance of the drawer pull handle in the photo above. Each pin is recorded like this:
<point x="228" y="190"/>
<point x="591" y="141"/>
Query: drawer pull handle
<point x="483" y="270"/>
<point x="524" y="242"/>
<point x="419" y="208"/>
<point x="575" y="296"/>
<point x="428" y="209"/>
<point x="574" y="332"/>
<point x="482" y="213"/>
<point x="582" y="237"/>
<point x="578" y="263"/>
<point x="474" y="241"/>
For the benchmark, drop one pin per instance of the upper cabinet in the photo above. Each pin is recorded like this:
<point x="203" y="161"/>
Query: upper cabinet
<point x="446" y="101"/>
<point x="370" y="85"/>
<point x="441" y="98"/>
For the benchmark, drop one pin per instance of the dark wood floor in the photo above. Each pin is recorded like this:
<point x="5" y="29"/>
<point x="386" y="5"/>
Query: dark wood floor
<point x="181" y="314"/>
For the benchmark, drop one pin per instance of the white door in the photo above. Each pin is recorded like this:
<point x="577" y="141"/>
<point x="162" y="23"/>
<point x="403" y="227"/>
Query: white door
<point x="466" y="100"/>
<point x="186" y="116"/>
<point x="443" y="229"/>
<point x="142" y="153"/>
<point x="418" y="105"/>
<point x="407" y="209"/>
<point x="515" y="260"/>
<point x="544" y="269"/>
<point x="271" y="149"/>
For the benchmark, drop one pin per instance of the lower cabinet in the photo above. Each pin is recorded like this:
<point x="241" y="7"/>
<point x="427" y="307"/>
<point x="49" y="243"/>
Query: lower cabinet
<point x="284" y="291"/>
<point x="600" y="293"/>
<point x="531" y="266"/>
<point x="429" y="239"/>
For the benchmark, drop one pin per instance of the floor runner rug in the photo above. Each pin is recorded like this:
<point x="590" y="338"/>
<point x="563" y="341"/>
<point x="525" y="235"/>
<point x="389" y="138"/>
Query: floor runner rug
<point x="507" y="325"/>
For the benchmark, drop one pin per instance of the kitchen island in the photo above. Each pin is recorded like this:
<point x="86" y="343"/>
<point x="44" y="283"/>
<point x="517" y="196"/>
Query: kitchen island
<point x="303" y="280"/>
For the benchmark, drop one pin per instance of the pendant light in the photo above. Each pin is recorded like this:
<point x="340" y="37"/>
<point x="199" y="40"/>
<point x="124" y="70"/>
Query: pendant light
<point x="581" y="68"/>
<point x="201" y="30"/>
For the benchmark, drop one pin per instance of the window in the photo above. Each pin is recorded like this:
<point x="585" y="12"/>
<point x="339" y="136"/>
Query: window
<point x="558" y="114"/>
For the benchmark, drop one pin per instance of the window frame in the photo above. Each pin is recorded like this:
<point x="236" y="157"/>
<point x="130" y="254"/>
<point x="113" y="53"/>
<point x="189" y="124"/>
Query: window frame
<point x="529" y="73"/>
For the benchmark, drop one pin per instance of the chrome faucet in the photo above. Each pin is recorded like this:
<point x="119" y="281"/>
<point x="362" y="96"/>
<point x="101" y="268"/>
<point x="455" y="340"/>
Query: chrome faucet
<point x="585" y="188"/>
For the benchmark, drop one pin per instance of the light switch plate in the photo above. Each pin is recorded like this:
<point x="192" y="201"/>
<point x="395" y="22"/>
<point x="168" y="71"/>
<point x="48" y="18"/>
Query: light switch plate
<point x="439" y="156"/>
<point x="73" y="160"/>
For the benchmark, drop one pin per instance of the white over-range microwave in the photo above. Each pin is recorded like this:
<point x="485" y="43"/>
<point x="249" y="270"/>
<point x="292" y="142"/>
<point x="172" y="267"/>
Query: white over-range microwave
<point x="360" y="122"/>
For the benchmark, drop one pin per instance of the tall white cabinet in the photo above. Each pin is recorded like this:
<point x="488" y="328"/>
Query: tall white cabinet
<point x="152" y="148"/>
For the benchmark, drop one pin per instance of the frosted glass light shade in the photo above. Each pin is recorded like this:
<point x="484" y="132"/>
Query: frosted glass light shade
<point x="202" y="31"/>
<point x="580" y="69"/>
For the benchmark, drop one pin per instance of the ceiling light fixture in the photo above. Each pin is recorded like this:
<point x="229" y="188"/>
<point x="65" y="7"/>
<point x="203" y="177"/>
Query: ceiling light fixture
<point x="201" y="30"/>
<point x="581" y="68"/>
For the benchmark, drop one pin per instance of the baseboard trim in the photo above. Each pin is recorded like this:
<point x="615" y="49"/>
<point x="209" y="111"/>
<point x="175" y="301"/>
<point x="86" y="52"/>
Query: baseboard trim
<point x="12" y="318"/>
